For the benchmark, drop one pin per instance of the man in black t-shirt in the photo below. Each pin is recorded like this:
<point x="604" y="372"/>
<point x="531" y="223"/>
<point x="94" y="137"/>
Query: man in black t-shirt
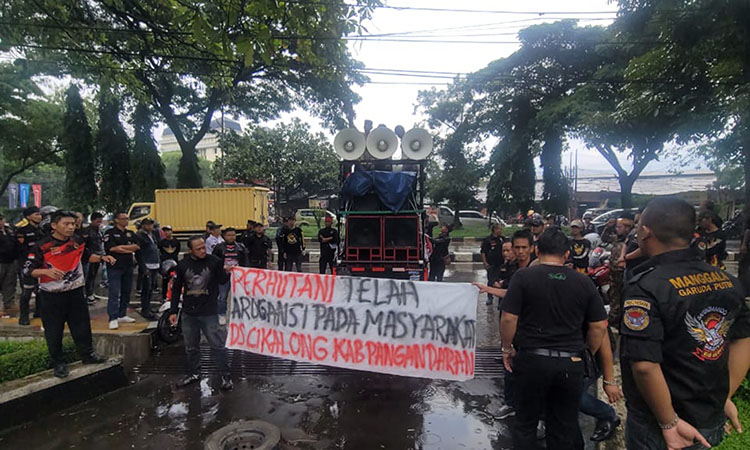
<point x="200" y="275"/>
<point x="120" y="243"/>
<point x="492" y="255"/>
<point x="293" y="246"/>
<point x="544" y="311"/>
<point x="169" y="248"/>
<point x="28" y="232"/>
<point x="231" y="253"/>
<point x="328" y="238"/>
<point x="259" y="247"/>
<point x="580" y="248"/>
<point x="685" y="332"/>
<point x="281" y="233"/>
<point x="712" y="242"/>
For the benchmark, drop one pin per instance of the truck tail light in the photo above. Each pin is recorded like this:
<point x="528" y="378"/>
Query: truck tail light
<point x="358" y="269"/>
<point x="378" y="269"/>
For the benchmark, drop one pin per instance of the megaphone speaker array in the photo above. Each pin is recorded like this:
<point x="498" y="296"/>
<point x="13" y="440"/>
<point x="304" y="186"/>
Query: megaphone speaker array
<point x="349" y="143"/>
<point x="382" y="143"/>
<point x="416" y="144"/>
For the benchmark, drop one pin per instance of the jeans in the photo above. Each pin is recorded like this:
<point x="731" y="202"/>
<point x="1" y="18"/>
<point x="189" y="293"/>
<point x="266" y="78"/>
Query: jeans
<point x="191" y="333"/>
<point x="120" y="285"/>
<point x="592" y="406"/>
<point x="8" y="283"/>
<point x="325" y="262"/>
<point x="147" y="288"/>
<point x="643" y="433"/>
<point x="59" y="308"/>
<point x="550" y="388"/>
<point x="223" y="298"/>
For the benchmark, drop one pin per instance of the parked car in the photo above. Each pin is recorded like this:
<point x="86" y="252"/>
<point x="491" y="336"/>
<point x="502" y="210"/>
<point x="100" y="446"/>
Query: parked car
<point x="596" y="212"/>
<point x="444" y="215"/>
<point x="469" y="217"/>
<point x="307" y="217"/>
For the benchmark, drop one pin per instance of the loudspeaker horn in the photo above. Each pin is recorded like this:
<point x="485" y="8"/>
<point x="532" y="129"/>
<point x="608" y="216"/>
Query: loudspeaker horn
<point x="349" y="143"/>
<point x="416" y="144"/>
<point x="382" y="143"/>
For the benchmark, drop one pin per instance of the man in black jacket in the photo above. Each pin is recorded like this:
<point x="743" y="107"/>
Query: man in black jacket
<point x="169" y="248"/>
<point x="293" y="246"/>
<point x="328" y="238"/>
<point x="28" y="233"/>
<point x="231" y="253"/>
<point x="200" y="275"/>
<point x="8" y="256"/>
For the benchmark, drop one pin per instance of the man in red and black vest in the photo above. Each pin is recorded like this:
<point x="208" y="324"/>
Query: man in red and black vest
<point x="56" y="262"/>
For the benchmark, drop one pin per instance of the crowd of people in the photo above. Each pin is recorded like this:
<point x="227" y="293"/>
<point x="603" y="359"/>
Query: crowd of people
<point x="683" y="323"/>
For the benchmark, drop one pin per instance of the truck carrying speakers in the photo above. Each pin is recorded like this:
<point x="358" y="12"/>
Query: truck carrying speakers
<point x="382" y="200"/>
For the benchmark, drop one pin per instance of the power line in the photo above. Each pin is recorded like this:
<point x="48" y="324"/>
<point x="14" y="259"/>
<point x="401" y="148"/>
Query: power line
<point x="451" y="10"/>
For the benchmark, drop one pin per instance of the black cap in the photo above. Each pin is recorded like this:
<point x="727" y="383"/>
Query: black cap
<point x="166" y="227"/>
<point x="536" y="222"/>
<point x="627" y="215"/>
<point x="146" y="221"/>
<point x="210" y="223"/>
<point x="30" y="210"/>
<point x="214" y="226"/>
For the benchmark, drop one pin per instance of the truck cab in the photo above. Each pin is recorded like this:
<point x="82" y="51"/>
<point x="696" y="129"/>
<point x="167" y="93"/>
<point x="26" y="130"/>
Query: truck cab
<point x="140" y="211"/>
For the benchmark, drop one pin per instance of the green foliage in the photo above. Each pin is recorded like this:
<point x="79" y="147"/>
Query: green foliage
<point x="737" y="441"/>
<point x="147" y="169"/>
<point x="114" y="155"/>
<point x="30" y="123"/>
<point x="187" y="58"/>
<point x="289" y="158"/>
<point x="21" y="359"/>
<point x="171" y="163"/>
<point x="78" y="145"/>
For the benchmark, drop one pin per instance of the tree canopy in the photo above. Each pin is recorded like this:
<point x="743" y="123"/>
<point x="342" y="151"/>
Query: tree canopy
<point x="187" y="58"/>
<point x="289" y="158"/>
<point x="79" y="156"/>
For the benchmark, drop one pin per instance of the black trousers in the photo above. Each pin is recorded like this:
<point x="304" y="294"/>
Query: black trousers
<point x="547" y="388"/>
<point x="28" y="287"/>
<point x="437" y="270"/>
<point x="258" y="263"/>
<point x="59" y="308"/>
<point x="91" y="278"/>
<point x="325" y="262"/>
<point x="292" y="262"/>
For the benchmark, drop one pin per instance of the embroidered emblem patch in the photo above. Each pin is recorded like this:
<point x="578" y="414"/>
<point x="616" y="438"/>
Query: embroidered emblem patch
<point x="636" y="318"/>
<point x="709" y="328"/>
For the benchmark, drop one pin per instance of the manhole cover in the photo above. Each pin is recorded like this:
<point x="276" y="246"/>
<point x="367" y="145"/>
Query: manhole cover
<point x="245" y="435"/>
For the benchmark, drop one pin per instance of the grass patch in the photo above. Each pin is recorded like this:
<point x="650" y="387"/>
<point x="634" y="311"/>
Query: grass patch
<point x="20" y="359"/>
<point x="742" y="400"/>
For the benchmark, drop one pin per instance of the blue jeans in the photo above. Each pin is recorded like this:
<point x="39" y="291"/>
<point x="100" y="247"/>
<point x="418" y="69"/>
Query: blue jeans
<point x="191" y="333"/>
<point x="642" y="433"/>
<point x="592" y="406"/>
<point x="120" y="285"/>
<point x="223" y="298"/>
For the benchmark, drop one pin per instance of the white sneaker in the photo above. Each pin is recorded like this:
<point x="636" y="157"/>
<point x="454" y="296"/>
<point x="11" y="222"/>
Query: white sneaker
<point x="222" y="320"/>
<point x="125" y="319"/>
<point x="113" y="325"/>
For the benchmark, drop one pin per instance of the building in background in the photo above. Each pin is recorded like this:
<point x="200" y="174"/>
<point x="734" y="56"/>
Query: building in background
<point x="208" y="148"/>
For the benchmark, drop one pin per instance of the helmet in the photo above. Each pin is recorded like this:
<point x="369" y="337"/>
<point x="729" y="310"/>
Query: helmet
<point x="168" y="266"/>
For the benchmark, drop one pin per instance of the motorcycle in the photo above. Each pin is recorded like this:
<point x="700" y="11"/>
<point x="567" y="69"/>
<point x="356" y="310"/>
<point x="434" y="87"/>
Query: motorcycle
<point x="165" y="330"/>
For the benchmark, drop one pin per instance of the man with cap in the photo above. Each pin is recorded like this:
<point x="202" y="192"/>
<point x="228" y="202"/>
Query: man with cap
<point x="8" y="257"/>
<point x="580" y="248"/>
<point x="214" y="238"/>
<point x="28" y="233"/>
<point x="328" y="238"/>
<point x="148" y="265"/>
<point x="169" y="248"/>
<point x="685" y="338"/>
<point x="259" y="247"/>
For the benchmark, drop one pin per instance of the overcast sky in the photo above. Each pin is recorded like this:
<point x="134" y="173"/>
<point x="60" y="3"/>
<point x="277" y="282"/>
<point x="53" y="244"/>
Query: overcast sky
<point x="390" y="99"/>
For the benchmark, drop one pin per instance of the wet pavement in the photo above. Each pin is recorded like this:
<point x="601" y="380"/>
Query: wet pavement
<point x="351" y="410"/>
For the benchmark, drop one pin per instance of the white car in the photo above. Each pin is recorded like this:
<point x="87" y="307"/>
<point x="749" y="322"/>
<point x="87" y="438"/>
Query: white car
<point x="469" y="217"/>
<point x="307" y="217"/>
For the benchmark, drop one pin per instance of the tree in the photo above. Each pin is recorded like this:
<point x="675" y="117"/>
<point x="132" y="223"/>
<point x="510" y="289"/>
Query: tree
<point x="288" y="158"/>
<point x="78" y="147"/>
<point x="114" y="154"/>
<point x="30" y="124"/>
<point x="147" y="169"/>
<point x="188" y="57"/>
<point x="171" y="163"/>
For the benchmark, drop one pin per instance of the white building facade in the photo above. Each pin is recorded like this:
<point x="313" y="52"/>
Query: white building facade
<point x="208" y="148"/>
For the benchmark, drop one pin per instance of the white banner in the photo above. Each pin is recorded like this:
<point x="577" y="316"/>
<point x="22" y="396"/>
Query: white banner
<point x="399" y="327"/>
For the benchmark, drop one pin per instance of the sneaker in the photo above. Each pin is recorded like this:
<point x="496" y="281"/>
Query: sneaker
<point x="125" y="319"/>
<point x="103" y="285"/>
<point x="148" y="315"/>
<point x="505" y="412"/>
<point x="94" y="358"/>
<point x="226" y="384"/>
<point x="190" y="379"/>
<point x="114" y="324"/>
<point x="489" y="301"/>
<point x="61" y="371"/>
<point x="222" y="320"/>
<point x="541" y="430"/>
<point x="24" y="320"/>
<point x="605" y="429"/>
<point x="91" y="299"/>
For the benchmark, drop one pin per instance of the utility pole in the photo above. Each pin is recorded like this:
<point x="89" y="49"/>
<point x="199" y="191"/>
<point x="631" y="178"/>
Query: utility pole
<point x="221" y="145"/>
